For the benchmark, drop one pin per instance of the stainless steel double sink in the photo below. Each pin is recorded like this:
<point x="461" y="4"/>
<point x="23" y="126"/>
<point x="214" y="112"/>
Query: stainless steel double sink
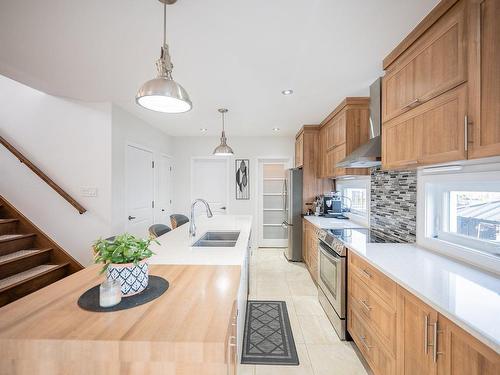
<point x="218" y="239"/>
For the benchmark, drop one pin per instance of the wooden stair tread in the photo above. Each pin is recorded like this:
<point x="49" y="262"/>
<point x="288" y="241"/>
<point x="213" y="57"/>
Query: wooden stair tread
<point x="11" y="237"/>
<point x="20" y="254"/>
<point x="30" y="274"/>
<point x="3" y="221"/>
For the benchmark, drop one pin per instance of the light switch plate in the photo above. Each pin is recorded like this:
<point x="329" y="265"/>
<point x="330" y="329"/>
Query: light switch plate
<point x="88" y="192"/>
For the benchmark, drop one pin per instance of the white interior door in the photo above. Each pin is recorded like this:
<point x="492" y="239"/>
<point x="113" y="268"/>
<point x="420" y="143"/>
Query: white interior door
<point x="209" y="181"/>
<point x="272" y="203"/>
<point x="140" y="190"/>
<point x="163" y="206"/>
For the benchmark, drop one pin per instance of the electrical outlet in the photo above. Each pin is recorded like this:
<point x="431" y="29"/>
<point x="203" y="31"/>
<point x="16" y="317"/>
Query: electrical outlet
<point x="88" y="192"/>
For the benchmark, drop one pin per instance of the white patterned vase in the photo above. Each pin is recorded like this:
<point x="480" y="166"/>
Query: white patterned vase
<point x="133" y="278"/>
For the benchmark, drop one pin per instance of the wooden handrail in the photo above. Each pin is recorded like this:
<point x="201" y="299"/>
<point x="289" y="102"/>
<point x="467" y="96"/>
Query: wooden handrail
<point x="23" y="159"/>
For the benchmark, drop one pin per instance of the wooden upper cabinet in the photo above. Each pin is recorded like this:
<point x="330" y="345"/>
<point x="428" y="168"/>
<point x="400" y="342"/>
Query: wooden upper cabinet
<point x="344" y="130"/>
<point x="431" y="133"/>
<point x="299" y="150"/>
<point x="434" y="64"/>
<point x="462" y="354"/>
<point x="441" y="91"/>
<point x="484" y="78"/>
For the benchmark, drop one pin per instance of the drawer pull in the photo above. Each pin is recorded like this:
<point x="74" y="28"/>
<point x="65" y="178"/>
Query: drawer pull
<point x="366" y="273"/>
<point x="231" y="343"/>
<point x="365" y="343"/>
<point x="366" y="305"/>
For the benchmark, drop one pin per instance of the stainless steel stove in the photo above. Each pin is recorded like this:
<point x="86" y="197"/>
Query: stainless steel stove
<point x="332" y="280"/>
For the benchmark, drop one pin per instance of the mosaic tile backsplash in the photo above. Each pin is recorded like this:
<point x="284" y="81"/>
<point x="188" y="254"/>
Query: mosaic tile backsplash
<point x="393" y="204"/>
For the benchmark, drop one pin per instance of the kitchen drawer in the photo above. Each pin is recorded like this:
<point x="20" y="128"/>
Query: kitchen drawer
<point x="379" y="359"/>
<point x="376" y="314"/>
<point x="380" y="284"/>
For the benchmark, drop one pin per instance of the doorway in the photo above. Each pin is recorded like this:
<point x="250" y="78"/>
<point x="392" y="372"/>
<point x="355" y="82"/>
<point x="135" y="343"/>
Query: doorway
<point x="163" y="206"/>
<point x="139" y="185"/>
<point x="272" y="202"/>
<point x="210" y="181"/>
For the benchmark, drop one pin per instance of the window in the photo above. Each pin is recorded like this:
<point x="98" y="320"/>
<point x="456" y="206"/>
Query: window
<point x="356" y="197"/>
<point x="459" y="214"/>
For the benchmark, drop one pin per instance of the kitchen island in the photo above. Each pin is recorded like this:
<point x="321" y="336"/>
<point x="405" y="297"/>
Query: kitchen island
<point x="187" y="330"/>
<point x="196" y="327"/>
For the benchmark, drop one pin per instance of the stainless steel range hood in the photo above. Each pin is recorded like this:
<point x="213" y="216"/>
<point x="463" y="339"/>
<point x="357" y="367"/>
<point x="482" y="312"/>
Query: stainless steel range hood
<point x="369" y="154"/>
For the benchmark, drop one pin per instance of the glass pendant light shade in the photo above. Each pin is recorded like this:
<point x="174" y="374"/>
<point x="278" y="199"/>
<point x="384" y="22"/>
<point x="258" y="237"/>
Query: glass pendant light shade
<point x="223" y="149"/>
<point x="163" y="94"/>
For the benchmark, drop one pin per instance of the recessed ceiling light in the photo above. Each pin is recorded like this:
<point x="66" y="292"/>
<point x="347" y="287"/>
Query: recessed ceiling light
<point x="276" y="129"/>
<point x="287" y="92"/>
<point x="203" y="130"/>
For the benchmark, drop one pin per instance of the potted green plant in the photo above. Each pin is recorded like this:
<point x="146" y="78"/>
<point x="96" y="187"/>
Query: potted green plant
<point x="124" y="258"/>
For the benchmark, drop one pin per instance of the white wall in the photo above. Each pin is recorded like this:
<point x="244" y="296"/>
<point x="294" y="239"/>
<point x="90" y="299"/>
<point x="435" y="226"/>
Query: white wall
<point x="71" y="142"/>
<point x="252" y="148"/>
<point x="128" y="129"/>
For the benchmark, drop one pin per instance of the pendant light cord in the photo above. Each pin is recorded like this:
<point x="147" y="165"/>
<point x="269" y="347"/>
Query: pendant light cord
<point x="164" y="23"/>
<point x="223" y="122"/>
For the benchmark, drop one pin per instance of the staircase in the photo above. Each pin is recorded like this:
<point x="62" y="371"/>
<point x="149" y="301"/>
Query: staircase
<point x="29" y="260"/>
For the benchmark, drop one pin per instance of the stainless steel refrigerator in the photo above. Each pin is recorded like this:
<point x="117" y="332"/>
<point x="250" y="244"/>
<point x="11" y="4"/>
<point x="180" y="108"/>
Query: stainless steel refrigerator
<point x="292" y="212"/>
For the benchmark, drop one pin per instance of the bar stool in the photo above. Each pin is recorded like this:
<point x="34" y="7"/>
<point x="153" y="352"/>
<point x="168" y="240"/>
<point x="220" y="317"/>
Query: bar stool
<point x="177" y="220"/>
<point x="157" y="230"/>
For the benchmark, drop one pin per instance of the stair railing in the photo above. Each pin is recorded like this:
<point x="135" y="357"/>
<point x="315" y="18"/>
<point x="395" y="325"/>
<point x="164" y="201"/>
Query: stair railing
<point x="23" y="159"/>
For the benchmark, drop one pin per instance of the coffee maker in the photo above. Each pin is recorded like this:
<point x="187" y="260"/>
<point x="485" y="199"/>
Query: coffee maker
<point x="332" y="206"/>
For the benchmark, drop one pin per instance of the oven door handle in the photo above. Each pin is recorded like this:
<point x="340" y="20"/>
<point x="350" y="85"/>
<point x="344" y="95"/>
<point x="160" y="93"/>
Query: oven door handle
<point x="333" y="258"/>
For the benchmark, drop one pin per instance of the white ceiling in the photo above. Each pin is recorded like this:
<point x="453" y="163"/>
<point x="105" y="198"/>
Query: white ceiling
<point x="237" y="54"/>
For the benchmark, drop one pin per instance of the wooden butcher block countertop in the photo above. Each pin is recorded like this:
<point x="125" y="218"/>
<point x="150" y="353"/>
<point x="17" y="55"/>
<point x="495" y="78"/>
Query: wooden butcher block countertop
<point x="184" y="331"/>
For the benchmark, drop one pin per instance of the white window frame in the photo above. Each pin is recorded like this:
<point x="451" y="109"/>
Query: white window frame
<point x="430" y="189"/>
<point x="363" y="182"/>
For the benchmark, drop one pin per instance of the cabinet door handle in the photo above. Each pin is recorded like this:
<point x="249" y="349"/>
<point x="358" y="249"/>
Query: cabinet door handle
<point x="366" y="273"/>
<point x="414" y="103"/>
<point x="231" y="343"/>
<point x="466" y="133"/>
<point x="426" y="333"/>
<point x="435" y="352"/>
<point x="366" y="305"/>
<point x="365" y="343"/>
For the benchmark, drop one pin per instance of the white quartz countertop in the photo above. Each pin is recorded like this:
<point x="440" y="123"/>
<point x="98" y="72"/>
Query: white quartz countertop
<point x="176" y="246"/>
<point x="331" y="223"/>
<point x="467" y="296"/>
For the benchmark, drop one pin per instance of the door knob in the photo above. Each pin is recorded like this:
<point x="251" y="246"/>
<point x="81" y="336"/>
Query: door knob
<point x="162" y="210"/>
<point x="131" y="217"/>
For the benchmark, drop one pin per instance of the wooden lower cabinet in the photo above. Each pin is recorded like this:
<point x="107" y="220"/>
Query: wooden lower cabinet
<point x="380" y="360"/>
<point x="462" y="354"/>
<point x="398" y="333"/>
<point x="310" y="248"/>
<point x="429" y="343"/>
<point x="414" y="335"/>
<point x="231" y="344"/>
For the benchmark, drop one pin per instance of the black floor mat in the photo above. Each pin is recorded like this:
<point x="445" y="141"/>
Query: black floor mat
<point x="268" y="338"/>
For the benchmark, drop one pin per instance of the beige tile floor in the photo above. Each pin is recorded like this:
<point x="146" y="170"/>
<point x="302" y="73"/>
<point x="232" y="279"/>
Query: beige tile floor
<point x="319" y="348"/>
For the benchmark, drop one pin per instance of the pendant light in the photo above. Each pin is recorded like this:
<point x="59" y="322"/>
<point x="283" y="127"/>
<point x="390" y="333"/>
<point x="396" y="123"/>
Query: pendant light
<point x="163" y="94"/>
<point x="223" y="149"/>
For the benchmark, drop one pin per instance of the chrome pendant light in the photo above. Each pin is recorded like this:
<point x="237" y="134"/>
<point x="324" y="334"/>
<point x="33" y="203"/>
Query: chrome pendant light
<point x="223" y="149"/>
<point x="163" y="94"/>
